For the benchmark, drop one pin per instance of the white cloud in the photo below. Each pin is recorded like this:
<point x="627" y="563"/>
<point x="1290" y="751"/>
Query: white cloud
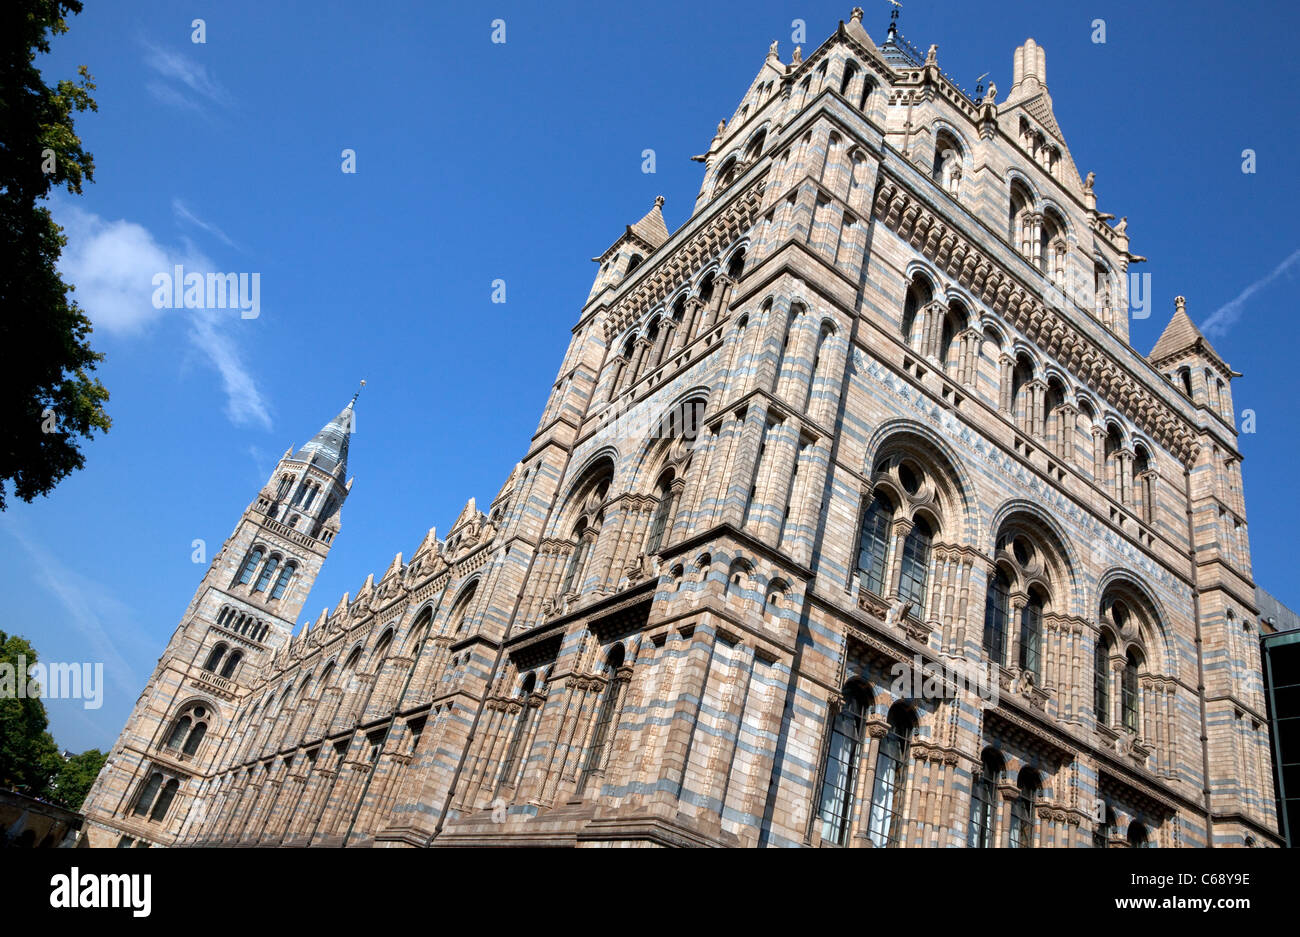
<point x="1227" y="315"/>
<point x="112" y="265"/>
<point x="190" y="85"/>
<point x="89" y="606"/>
<point x="245" y="404"/>
<point x="183" y="213"/>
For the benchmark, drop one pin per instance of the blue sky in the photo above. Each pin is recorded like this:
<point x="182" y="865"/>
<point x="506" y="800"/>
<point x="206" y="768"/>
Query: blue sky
<point x="520" y="161"/>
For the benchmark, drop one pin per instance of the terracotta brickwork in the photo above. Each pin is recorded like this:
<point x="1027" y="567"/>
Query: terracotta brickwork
<point x="871" y="406"/>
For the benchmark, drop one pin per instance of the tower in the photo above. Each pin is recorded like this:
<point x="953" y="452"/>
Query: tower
<point x="243" y="613"/>
<point x="852" y="519"/>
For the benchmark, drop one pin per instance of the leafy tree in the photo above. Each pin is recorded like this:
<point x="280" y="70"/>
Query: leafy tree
<point x="75" y="776"/>
<point x="49" y="401"/>
<point x="29" y="759"/>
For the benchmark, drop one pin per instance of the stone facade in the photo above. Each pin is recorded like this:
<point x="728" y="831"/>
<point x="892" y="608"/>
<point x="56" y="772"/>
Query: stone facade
<point x="872" y="408"/>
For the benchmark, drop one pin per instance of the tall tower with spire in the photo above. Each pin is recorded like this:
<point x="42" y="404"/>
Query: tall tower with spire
<point x="242" y="614"/>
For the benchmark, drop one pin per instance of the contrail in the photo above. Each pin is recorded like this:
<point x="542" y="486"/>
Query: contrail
<point x="1226" y="315"/>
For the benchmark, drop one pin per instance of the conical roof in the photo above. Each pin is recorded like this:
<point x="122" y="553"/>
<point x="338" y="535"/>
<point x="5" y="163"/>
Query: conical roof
<point x="651" y="227"/>
<point x="1179" y="335"/>
<point x="328" y="449"/>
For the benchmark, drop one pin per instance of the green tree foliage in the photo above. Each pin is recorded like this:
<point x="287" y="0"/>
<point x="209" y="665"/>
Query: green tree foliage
<point x="49" y="400"/>
<point x="29" y="759"/>
<point x="75" y="776"/>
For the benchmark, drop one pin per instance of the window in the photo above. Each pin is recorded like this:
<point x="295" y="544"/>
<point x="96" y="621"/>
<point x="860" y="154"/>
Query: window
<point x="456" y="621"/>
<point x="577" y="560"/>
<point x="983" y="809"/>
<point x="179" y="732"/>
<point x="843" y="754"/>
<point x="1137" y="836"/>
<point x="250" y="564"/>
<point x="1022" y="811"/>
<point x="510" y="763"/>
<point x="607" y="718"/>
<point x="1031" y="635"/>
<point x="873" y="545"/>
<point x="885" y="826"/>
<point x="997" y="605"/>
<point x="147" y="794"/>
<point x="1101" y="679"/>
<point x="916" y="564"/>
<point x="282" y="583"/>
<point x="267" y="572"/>
<point x="164" y="800"/>
<point x="188" y="730"/>
<point x="214" y="657"/>
<point x="232" y="664"/>
<point x="663" y="514"/>
<point x="1101" y="835"/>
<point x="1129" y="693"/>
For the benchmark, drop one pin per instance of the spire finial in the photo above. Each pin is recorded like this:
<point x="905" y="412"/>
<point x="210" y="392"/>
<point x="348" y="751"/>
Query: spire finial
<point x="358" y="393"/>
<point x="1180" y="304"/>
<point x="659" y="203"/>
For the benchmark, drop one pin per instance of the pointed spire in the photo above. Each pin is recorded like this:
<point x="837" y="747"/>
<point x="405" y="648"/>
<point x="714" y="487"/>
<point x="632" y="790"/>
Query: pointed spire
<point x="328" y="449"/>
<point x="1179" y="335"/>
<point x="651" y="227"/>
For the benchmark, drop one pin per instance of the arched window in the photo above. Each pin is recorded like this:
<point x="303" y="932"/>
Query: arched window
<point x="727" y="174"/>
<point x="164" y="800"/>
<point x="737" y="265"/>
<point x="179" y="731"/>
<point x="1101" y="679"/>
<point x="510" y="763"/>
<point x="868" y="86"/>
<point x="983" y="810"/>
<point x="250" y="564"/>
<point x="916" y="565"/>
<point x="232" y="664"/>
<point x="282" y="583"/>
<point x="1020" y="226"/>
<point x="195" y="739"/>
<point x="148" y="791"/>
<point x="188" y="730"/>
<point x="456" y="621"/>
<point x="840" y="770"/>
<point x="1129" y="693"/>
<point x="610" y="704"/>
<point x="873" y="546"/>
<point x="1031" y="634"/>
<point x="1101" y="835"/>
<point x="663" y="514"/>
<point x="1137" y="836"/>
<point x="997" y="608"/>
<point x="285" y="482"/>
<point x="267" y="572"/>
<point x="1022" y="811"/>
<point x="214" y="657"/>
<point x="1185" y="380"/>
<point x="918" y="295"/>
<point x="577" y="560"/>
<point x="634" y="262"/>
<point x="885" y="825"/>
<point x="850" y="72"/>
